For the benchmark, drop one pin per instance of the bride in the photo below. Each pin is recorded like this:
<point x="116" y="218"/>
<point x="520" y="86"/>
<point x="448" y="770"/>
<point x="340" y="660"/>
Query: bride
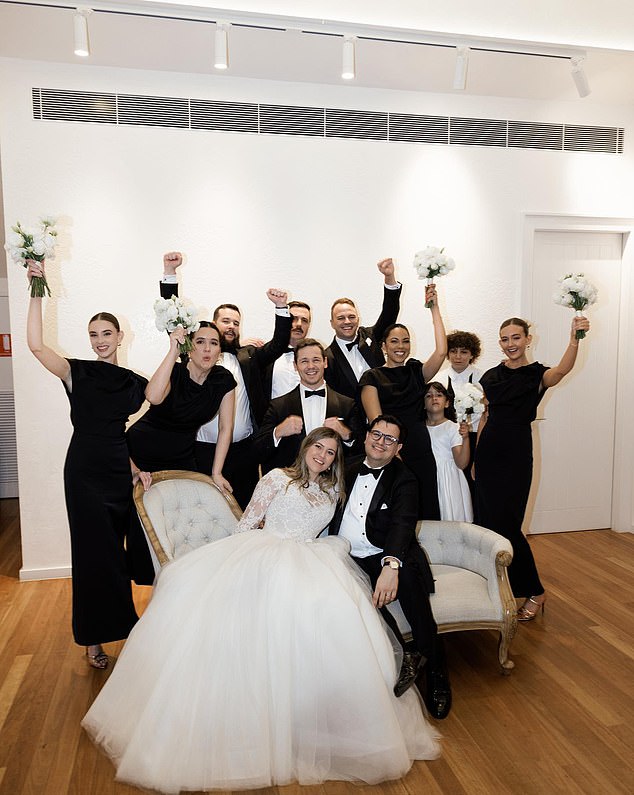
<point x="260" y="660"/>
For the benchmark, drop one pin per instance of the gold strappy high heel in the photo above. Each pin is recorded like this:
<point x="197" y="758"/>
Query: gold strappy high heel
<point x="531" y="608"/>
<point x="97" y="660"/>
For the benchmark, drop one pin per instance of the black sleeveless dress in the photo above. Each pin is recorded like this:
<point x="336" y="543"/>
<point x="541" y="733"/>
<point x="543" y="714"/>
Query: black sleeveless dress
<point x="504" y="464"/>
<point x="400" y="391"/>
<point x="98" y="490"/>
<point x="164" y="436"/>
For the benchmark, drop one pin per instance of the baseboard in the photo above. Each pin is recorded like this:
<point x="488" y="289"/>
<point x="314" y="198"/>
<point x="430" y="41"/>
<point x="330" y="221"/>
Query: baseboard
<point x="57" y="573"/>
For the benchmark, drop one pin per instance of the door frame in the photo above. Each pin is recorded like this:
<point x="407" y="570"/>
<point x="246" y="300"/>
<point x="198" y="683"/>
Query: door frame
<point x="622" y="511"/>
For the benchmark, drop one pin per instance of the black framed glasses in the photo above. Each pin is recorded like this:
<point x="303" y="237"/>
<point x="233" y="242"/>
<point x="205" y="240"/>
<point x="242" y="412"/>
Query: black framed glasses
<point x="387" y="439"/>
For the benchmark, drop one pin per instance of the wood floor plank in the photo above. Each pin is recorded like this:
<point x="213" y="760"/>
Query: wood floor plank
<point x="561" y="724"/>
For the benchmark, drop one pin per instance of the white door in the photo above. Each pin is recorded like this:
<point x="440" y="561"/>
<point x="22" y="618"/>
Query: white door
<point x="574" y="434"/>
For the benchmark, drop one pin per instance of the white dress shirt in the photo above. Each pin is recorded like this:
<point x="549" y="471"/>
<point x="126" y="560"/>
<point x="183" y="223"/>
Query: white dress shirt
<point x="242" y="425"/>
<point x="352" y="525"/>
<point x="285" y="376"/>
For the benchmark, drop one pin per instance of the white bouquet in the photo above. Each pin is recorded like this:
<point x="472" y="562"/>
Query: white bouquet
<point x="23" y="245"/>
<point x="174" y="312"/>
<point x="576" y="292"/>
<point x="432" y="262"/>
<point x="468" y="402"/>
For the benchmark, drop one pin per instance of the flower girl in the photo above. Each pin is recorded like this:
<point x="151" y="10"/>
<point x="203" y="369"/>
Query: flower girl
<point x="450" y="445"/>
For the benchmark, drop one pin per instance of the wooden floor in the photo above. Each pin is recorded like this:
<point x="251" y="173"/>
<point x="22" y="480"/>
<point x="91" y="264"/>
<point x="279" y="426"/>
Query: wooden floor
<point x="562" y="722"/>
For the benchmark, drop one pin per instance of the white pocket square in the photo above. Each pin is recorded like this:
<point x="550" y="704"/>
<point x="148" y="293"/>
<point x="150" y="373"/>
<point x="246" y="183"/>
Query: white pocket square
<point x="383" y="507"/>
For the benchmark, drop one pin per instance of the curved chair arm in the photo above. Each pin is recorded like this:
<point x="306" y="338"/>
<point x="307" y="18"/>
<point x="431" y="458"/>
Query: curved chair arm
<point x="467" y="546"/>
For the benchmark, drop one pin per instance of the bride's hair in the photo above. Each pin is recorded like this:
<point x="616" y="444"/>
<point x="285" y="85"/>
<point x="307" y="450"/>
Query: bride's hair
<point x="329" y="481"/>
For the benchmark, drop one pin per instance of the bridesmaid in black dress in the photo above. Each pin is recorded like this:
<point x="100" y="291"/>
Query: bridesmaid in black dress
<point x="504" y="452"/>
<point x="397" y="388"/>
<point x="97" y="477"/>
<point x="183" y="397"/>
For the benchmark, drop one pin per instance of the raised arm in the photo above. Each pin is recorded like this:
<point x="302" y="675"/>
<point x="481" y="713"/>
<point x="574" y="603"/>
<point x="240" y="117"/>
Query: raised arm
<point x="391" y="300"/>
<point x="225" y="434"/>
<point x="172" y="260"/>
<point x="554" y="375"/>
<point x="53" y="362"/>
<point x="278" y="344"/>
<point x="436" y="360"/>
<point x="159" y="385"/>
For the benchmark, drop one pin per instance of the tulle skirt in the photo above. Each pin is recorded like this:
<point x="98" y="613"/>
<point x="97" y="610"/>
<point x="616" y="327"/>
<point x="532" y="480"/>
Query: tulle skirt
<point x="260" y="661"/>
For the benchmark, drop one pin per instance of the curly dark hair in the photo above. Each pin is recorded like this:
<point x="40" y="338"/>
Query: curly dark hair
<point x="464" y="339"/>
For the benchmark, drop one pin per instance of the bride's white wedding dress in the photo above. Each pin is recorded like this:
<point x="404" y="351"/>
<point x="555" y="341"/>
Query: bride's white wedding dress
<point x="261" y="661"/>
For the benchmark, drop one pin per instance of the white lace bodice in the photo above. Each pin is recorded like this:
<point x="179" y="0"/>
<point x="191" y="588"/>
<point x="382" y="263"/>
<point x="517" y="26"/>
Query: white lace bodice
<point x="296" y="513"/>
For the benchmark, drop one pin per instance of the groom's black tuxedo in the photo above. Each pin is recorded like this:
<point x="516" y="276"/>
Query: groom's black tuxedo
<point x="284" y="406"/>
<point x="390" y="525"/>
<point x="339" y="375"/>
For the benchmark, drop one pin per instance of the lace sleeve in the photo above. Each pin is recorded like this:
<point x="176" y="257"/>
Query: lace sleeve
<point x="255" y="512"/>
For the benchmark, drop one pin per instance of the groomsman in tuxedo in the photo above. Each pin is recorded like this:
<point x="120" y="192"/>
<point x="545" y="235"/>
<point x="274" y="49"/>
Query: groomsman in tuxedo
<point x="247" y="364"/>
<point x="282" y="376"/>
<point x="310" y="405"/>
<point x="356" y="348"/>
<point x="379" y="520"/>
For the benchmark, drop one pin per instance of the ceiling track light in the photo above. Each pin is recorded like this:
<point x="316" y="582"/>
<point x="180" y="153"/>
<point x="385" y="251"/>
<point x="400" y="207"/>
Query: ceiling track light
<point x="579" y="76"/>
<point x="221" y="46"/>
<point x="462" y="67"/>
<point x="80" y="31"/>
<point x="348" y="59"/>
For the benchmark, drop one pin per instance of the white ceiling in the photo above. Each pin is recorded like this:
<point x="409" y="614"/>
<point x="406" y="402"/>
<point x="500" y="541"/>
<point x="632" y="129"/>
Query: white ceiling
<point x="604" y="29"/>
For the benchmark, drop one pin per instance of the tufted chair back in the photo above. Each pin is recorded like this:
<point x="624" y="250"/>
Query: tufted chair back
<point x="182" y="511"/>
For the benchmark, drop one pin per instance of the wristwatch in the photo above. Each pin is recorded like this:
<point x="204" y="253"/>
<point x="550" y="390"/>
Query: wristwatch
<point x="393" y="564"/>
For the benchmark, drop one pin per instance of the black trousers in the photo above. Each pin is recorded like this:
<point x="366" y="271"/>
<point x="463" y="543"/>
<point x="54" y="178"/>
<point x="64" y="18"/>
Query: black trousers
<point x="240" y="469"/>
<point x="414" y="599"/>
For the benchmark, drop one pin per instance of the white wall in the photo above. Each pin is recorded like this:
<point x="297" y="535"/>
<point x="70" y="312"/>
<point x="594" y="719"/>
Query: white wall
<point x="254" y="211"/>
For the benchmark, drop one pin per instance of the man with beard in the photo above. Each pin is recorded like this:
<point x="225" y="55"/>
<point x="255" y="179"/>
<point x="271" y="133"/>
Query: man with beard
<point x="247" y="364"/>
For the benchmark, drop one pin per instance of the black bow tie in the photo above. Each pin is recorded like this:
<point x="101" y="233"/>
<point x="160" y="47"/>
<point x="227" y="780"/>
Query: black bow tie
<point x="320" y="392"/>
<point x="365" y="470"/>
<point x="350" y="345"/>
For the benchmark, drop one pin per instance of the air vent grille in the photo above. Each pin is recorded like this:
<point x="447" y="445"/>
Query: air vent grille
<point x="477" y="132"/>
<point x="268" y="119"/>
<point x="291" y="120"/>
<point x="419" y="129"/>
<point x="580" y="138"/>
<point x="532" y="135"/>
<point x="364" y="124"/>
<point x="224" y="116"/>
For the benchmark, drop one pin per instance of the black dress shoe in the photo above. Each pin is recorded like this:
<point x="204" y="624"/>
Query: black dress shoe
<point x="438" y="693"/>
<point x="409" y="671"/>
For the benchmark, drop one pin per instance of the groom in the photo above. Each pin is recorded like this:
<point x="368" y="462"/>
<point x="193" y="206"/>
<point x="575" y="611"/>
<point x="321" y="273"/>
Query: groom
<point x="379" y="520"/>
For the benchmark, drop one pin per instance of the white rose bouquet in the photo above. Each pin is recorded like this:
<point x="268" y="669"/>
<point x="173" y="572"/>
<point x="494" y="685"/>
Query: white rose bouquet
<point x="432" y="262"/>
<point x="468" y="402"/>
<point x="23" y="245"/>
<point x="174" y="312"/>
<point x="576" y="292"/>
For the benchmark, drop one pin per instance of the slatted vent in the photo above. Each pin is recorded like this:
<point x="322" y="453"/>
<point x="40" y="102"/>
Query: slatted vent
<point x="224" y="116"/>
<point x="291" y="120"/>
<point x="248" y="117"/>
<point x="532" y="135"/>
<point x="8" y="447"/>
<point x="579" y="138"/>
<point x="419" y="129"/>
<point x="477" y="132"/>
<point x="364" y="124"/>
<point x="86" y="106"/>
<point x="153" y="111"/>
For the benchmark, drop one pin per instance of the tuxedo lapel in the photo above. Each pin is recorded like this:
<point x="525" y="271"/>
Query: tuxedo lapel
<point x="344" y="364"/>
<point x="383" y="487"/>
